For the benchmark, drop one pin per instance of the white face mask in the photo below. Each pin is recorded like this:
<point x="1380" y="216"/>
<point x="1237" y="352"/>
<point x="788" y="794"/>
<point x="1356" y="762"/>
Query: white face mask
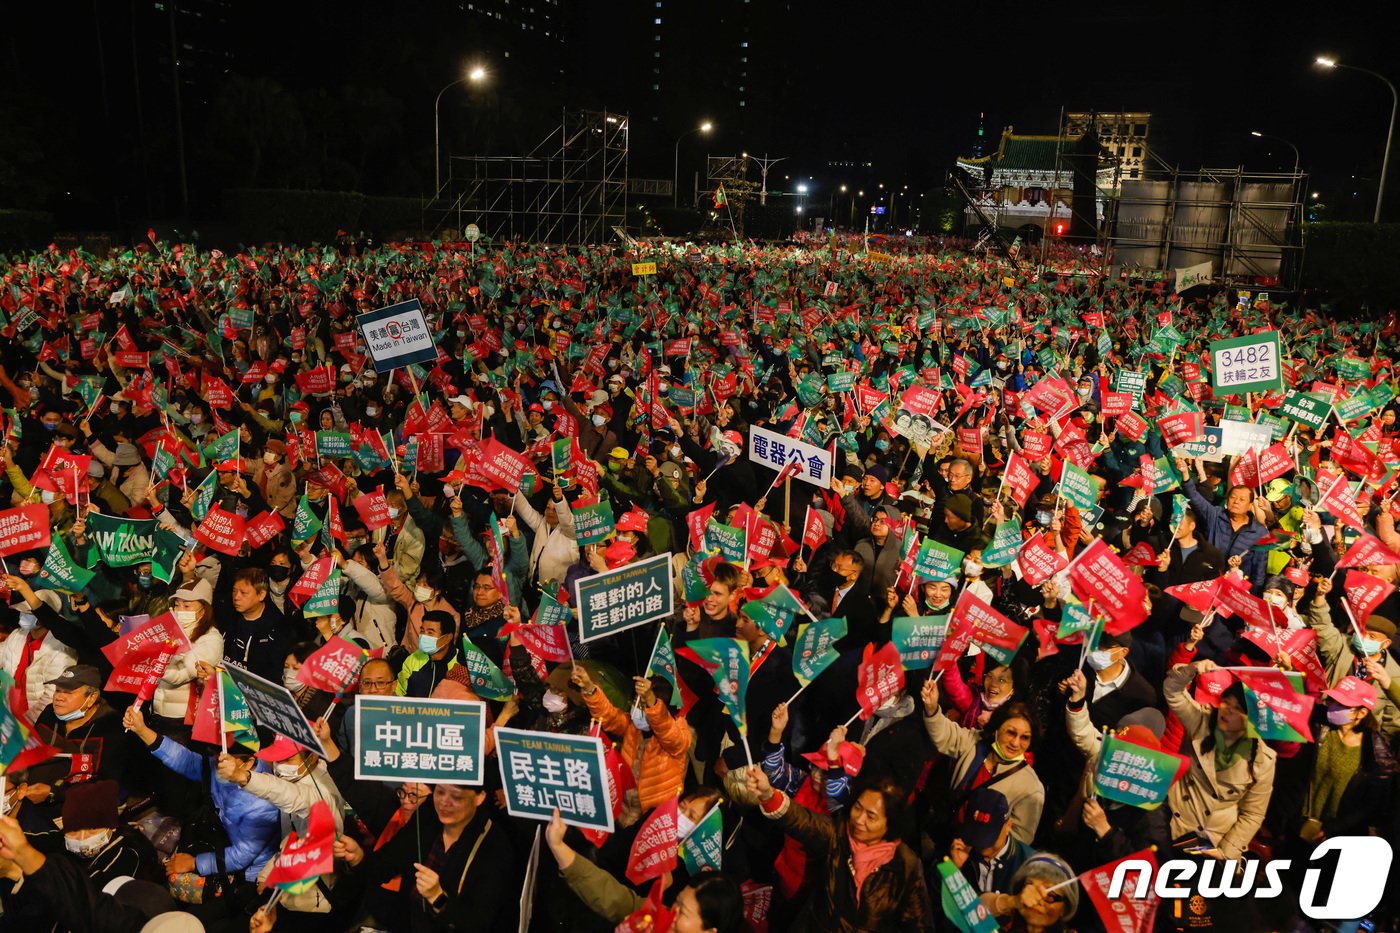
<point x="1100" y="660"/>
<point x="972" y="568"/>
<point x="554" y="703"/>
<point x="288" y="772"/>
<point x="196" y="418"/>
<point x="289" y="679"/>
<point x="277" y="589"/>
<point x="28" y="621"/>
<point x="684" y="826"/>
<point x="87" y="848"/>
<point x="1275" y="599"/>
<point x="47" y="497"/>
<point x="424" y="594"/>
<point x="371" y="411"/>
<point x="599" y="421"/>
<point x="393" y="512"/>
<point x="185" y="616"/>
<point x="639" y="719"/>
<point x="269" y="458"/>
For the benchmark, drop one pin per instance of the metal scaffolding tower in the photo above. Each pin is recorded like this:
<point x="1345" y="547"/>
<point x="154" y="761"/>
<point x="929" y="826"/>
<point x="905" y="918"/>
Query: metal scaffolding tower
<point x="571" y="189"/>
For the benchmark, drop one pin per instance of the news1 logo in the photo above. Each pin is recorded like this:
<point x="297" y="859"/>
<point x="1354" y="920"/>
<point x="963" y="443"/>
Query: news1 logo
<point x="1343" y="879"/>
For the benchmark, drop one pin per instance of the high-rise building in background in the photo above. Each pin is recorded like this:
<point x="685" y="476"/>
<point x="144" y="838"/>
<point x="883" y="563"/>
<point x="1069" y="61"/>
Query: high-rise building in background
<point x="1123" y="133"/>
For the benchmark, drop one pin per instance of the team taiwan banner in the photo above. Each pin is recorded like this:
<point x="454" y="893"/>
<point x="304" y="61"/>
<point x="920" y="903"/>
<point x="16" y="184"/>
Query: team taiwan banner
<point x="1134" y="775"/>
<point x="121" y="542"/>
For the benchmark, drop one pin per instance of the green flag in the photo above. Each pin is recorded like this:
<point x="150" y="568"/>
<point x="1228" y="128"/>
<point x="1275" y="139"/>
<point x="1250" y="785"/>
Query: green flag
<point x="1135" y="775"/>
<point x="204" y="496"/>
<point x="774" y="612"/>
<point x="225" y="448"/>
<point x="663" y="662"/>
<point x="487" y="679"/>
<point x="1005" y="545"/>
<point x="121" y="542"/>
<point x="1078" y="486"/>
<point x="704" y="847"/>
<point x="161" y="464"/>
<point x="306" y="524"/>
<point x="169" y="546"/>
<point x="813" y="652"/>
<point x="238" y="718"/>
<point x="728" y="661"/>
<point x="918" y="638"/>
<point x="937" y="561"/>
<point x="326" y="600"/>
<point x="961" y="903"/>
<point x="61" y="572"/>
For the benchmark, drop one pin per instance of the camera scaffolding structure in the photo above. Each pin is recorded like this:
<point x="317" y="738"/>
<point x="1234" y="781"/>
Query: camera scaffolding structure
<point x="570" y="190"/>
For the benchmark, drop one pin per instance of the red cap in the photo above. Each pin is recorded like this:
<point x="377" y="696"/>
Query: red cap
<point x="232" y="465"/>
<point x="280" y="750"/>
<point x="1352" y="691"/>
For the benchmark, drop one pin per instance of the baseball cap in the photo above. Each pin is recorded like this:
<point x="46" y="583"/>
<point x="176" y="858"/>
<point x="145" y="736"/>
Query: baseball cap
<point x="463" y="400"/>
<point x="1277" y="489"/>
<point x="280" y="750"/>
<point x="619" y="453"/>
<point x="1353" y="691"/>
<point x="982" y="821"/>
<point x="77" y="675"/>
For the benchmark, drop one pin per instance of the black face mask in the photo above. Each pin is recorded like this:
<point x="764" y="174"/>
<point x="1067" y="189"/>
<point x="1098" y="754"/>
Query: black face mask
<point x="278" y="573"/>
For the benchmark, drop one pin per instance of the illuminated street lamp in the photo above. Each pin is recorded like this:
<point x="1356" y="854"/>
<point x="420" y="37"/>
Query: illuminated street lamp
<point x="1331" y="63"/>
<point x="476" y="75"/>
<point x="676" y="183"/>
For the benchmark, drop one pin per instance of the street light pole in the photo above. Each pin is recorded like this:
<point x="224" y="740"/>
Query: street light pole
<point x="1390" y="133"/>
<point x="477" y="74"/>
<point x="1297" y="159"/>
<point x="676" y="167"/>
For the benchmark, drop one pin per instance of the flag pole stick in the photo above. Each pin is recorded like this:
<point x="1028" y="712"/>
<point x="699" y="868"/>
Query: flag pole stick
<point x="799" y="692"/>
<point x="223" y="736"/>
<point x="847" y="723"/>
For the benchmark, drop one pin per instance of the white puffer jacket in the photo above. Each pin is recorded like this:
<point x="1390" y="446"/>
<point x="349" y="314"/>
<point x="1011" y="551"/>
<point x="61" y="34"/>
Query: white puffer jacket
<point x="50" y="660"/>
<point x="172" y="698"/>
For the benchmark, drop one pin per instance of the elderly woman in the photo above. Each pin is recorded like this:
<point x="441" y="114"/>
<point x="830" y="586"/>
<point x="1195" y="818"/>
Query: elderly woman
<point x="992" y="757"/>
<point x="1224" y="794"/>
<point x="1030" y="906"/>
<point x="869" y="879"/>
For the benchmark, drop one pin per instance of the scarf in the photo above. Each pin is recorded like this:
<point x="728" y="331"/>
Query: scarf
<point x="868" y="856"/>
<point x="476" y="616"/>
<point x="1226" y="754"/>
<point x="887" y="716"/>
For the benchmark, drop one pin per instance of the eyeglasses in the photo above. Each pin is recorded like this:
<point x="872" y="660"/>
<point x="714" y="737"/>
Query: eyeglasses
<point x="377" y="684"/>
<point x="407" y="794"/>
<point x="483" y="587"/>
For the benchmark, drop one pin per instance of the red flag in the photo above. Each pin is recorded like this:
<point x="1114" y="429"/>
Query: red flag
<point x="655" y="848"/>
<point x="1365" y="592"/>
<point x="374" y="509"/>
<point x="1135" y="908"/>
<point x="207" y="721"/>
<point x="1020" y="478"/>
<point x="880" y="677"/>
<point x="1339" y="500"/>
<point x="814" y="534"/>
<point x="24" y="529"/>
<point x="140" y="670"/>
<point x="311" y="579"/>
<point x="696" y="521"/>
<point x="221" y="530"/>
<point x="1182" y="427"/>
<point x="334" y="667"/>
<point x="1200" y="596"/>
<point x="1099" y="575"/>
<point x="139" y="642"/>
<point x="546" y="642"/>
<point x="651" y="917"/>
<point x="305" y="858"/>
<point x="1036" y="445"/>
<point x="263" y="528"/>
<point x="1141" y="555"/>
<point x="1038" y="561"/>
<point x="1300" y="646"/>
<point x="502" y="466"/>
<point x="758" y="900"/>
<point x="1368" y="551"/>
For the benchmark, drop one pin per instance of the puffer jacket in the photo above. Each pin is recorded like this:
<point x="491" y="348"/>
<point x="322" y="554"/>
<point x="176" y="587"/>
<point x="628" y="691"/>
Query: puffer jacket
<point x="374" y="616"/>
<point x="177" y="690"/>
<point x="661" y="772"/>
<point x="1228" y="806"/>
<point x="253" y="826"/>
<point x="893" y="897"/>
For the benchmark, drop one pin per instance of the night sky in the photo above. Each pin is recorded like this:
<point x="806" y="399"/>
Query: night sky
<point x="857" y="81"/>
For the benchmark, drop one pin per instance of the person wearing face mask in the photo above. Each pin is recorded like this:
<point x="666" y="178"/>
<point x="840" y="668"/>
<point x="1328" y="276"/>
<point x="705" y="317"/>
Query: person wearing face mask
<point x="274" y="480"/>
<point x="1115" y="688"/>
<point x="555" y="547"/>
<point x="403" y="539"/>
<point x="595" y="437"/>
<point x="178" y="690"/>
<point x="88" y="734"/>
<point x="1348" y="764"/>
<point x="422" y="597"/>
<point x="654" y="742"/>
<point x="1280" y="592"/>
<point x="436" y="654"/>
<point x="995" y="757"/>
<point x="279" y="578"/>
<point x="129" y="473"/>
<point x="298" y="781"/>
<point x="373" y="617"/>
<point x="30" y="654"/>
<point x="1364" y="654"/>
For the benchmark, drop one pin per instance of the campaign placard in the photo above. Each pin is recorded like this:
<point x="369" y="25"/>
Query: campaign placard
<point x="420" y="739"/>
<point x="632" y="595"/>
<point x="776" y="451"/>
<point x="397" y="336"/>
<point x="1246" y="364"/>
<point x="273" y="706"/>
<point x="545" y="771"/>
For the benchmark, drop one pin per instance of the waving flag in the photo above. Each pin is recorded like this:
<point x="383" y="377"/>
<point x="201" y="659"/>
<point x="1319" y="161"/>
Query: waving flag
<point x="334" y="667"/>
<point x="1365" y="592"/>
<point x="879" y="678"/>
<point x="727" y="660"/>
<point x="663" y="662"/>
<point x="1277" y="706"/>
<point x="813" y="653"/>
<point x="655" y="847"/>
<point x="303" y="860"/>
<point x="1368" y="551"/>
<point x="1135" y="908"/>
<point x="1136" y="775"/>
<point x="1100" y="575"/>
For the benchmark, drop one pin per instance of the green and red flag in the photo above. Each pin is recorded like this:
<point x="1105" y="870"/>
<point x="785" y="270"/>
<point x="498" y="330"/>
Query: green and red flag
<point x="813" y="653"/>
<point x="1135" y="774"/>
<point x="727" y="660"/>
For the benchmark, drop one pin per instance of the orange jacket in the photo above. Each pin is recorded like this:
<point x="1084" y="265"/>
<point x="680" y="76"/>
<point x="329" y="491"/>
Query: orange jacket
<point x="661" y="772"/>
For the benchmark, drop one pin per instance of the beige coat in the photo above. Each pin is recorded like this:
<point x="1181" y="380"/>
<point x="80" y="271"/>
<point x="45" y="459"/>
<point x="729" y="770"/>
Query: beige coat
<point x="1024" y="793"/>
<point x="1228" y="806"/>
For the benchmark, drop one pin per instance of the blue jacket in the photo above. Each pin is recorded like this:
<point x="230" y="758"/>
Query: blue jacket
<point x="253" y="824"/>
<point x="1219" y="532"/>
